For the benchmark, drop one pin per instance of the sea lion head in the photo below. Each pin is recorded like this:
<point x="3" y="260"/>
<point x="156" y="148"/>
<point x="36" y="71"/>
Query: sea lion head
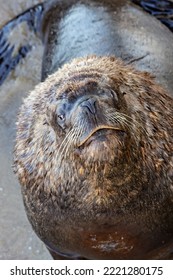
<point x="90" y="118"/>
<point x="90" y="114"/>
<point x="83" y="134"/>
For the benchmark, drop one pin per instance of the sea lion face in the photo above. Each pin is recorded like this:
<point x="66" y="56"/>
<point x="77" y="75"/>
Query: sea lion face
<point x="92" y="120"/>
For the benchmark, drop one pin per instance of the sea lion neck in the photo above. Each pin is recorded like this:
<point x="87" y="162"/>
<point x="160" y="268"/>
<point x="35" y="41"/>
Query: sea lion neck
<point x="96" y="184"/>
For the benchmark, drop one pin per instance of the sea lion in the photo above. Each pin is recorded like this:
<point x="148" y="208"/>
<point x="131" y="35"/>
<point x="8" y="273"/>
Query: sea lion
<point x="94" y="143"/>
<point x="94" y="157"/>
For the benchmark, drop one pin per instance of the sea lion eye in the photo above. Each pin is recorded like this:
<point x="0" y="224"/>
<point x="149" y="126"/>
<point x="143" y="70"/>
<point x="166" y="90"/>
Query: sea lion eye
<point x="61" y="120"/>
<point x="61" y="117"/>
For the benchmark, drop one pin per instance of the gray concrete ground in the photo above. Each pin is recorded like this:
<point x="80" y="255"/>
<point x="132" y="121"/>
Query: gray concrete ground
<point x="17" y="239"/>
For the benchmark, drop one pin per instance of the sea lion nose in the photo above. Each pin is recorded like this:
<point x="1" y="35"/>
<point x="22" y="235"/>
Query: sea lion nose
<point x="90" y="104"/>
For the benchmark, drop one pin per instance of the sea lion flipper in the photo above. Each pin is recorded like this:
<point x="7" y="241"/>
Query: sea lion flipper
<point x="11" y="53"/>
<point x="8" y="60"/>
<point x="161" y="11"/>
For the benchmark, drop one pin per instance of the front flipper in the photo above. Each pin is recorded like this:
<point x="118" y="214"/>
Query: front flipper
<point x="11" y="51"/>
<point x="162" y="10"/>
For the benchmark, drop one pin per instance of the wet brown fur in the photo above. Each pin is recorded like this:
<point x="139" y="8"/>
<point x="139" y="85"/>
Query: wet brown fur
<point x="80" y="202"/>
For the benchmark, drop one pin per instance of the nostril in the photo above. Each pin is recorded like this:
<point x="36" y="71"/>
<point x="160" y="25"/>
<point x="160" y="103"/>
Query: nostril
<point x="90" y="104"/>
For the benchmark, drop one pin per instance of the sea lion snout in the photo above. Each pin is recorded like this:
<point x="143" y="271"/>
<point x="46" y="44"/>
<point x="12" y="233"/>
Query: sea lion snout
<point x="90" y="105"/>
<point x="90" y="114"/>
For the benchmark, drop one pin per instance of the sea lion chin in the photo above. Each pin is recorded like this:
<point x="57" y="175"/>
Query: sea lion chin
<point x="93" y="154"/>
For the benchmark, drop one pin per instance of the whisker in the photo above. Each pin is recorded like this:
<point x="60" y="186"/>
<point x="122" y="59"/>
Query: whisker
<point x="64" y="143"/>
<point x="125" y="119"/>
<point x="126" y="122"/>
<point x="70" y="140"/>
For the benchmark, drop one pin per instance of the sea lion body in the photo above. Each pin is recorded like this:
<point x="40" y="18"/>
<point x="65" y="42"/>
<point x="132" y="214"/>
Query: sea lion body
<point x="73" y="29"/>
<point x="94" y="142"/>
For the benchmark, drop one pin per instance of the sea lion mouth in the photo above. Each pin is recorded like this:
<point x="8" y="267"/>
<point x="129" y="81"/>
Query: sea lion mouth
<point x="98" y="132"/>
